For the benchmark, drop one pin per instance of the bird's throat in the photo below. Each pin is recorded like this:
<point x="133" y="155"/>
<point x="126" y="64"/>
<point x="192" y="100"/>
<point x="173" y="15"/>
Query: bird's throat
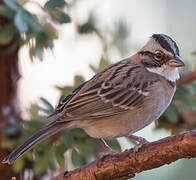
<point x="170" y="73"/>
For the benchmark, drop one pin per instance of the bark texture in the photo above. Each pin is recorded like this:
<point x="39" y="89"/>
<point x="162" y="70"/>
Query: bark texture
<point x="124" y="165"/>
<point x="9" y="75"/>
<point x="8" y="96"/>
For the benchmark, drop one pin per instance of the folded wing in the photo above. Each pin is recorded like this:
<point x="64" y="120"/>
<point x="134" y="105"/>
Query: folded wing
<point x="121" y="87"/>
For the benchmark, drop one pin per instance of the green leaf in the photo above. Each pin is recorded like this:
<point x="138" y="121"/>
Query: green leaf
<point x="32" y="21"/>
<point x="52" y="165"/>
<point x="79" y="133"/>
<point x="55" y="3"/>
<point x="171" y="114"/>
<point x="6" y="12"/>
<point x="65" y="90"/>
<point x="46" y="111"/>
<point x="114" y="144"/>
<point x="78" y="79"/>
<point x="49" y="43"/>
<point x="28" y="155"/>
<point x="7" y="34"/>
<point x="61" y="98"/>
<point x="43" y="147"/>
<point x="186" y="95"/>
<point x="20" y="22"/>
<point x="67" y="139"/>
<point x="9" y="143"/>
<point x="102" y="64"/>
<point x="93" y="68"/>
<point x="88" y="27"/>
<point x="34" y="110"/>
<point x="43" y="162"/>
<point x="47" y="104"/>
<point x="44" y="41"/>
<point x="64" y="18"/>
<point x="18" y="165"/>
<point x="121" y="31"/>
<point x="77" y="158"/>
<point x="31" y="53"/>
<point x="13" y="129"/>
<point x="189" y="102"/>
<point x="13" y="4"/>
<point x="59" y="16"/>
<point x="33" y="125"/>
<point x="50" y="31"/>
<point x="39" y="53"/>
<point x="85" y="147"/>
<point x="59" y="153"/>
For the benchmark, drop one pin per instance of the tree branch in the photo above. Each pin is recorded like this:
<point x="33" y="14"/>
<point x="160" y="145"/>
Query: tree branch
<point x="124" y="165"/>
<point x="186" y="78"/>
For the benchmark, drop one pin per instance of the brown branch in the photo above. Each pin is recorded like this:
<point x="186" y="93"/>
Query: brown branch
<point x="124" y="165"/>
<point x="187" y="78"/>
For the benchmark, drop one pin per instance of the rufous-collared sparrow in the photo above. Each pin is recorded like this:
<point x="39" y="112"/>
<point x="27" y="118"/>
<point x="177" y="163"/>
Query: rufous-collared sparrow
<point x="121" y="99"/>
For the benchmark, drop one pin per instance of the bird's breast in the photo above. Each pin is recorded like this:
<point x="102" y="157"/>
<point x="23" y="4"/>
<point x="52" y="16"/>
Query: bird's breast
<point x="132" y="120"/>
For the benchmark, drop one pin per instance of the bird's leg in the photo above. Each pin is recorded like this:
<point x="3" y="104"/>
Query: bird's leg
<point x="141" y="141"/>
<point x="106" y="147"/>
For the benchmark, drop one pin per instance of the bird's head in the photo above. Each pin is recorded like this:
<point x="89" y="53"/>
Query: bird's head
<point x="161" y="55"/>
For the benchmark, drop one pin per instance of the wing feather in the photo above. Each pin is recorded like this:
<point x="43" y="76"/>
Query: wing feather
<point x="121" y="87"/>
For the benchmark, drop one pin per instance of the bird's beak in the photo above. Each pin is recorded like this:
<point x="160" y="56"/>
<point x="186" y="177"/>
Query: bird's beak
<point x="176" y="62"/>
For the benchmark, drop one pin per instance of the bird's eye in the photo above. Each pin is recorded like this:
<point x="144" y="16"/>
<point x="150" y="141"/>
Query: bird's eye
<point x="158" y="55"/>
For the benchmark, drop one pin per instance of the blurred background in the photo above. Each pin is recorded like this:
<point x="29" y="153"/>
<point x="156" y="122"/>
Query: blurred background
<point x="55" y="46"/>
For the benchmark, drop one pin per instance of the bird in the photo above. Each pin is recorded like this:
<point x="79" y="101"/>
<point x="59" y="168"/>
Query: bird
<point x="120" y="100"/>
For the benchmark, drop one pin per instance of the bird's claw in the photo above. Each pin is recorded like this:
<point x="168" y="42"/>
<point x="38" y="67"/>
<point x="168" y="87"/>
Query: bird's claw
<point x="106" y="153"/>
<point x="65" y="173"/>
<point x="137" y="148"/>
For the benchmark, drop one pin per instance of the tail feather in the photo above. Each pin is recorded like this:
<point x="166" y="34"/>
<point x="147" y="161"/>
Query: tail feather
<point x="43" y="134"/>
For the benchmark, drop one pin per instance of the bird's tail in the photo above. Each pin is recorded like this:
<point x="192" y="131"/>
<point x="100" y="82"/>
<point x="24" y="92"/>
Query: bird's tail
<point x="44" y="133"/>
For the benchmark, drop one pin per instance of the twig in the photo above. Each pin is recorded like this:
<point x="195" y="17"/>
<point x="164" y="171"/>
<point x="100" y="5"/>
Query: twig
<point x="187" y="78"/>
<point x="124" y="165"/>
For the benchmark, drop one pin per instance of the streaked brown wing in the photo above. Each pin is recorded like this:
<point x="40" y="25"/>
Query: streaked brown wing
<point x="68" y="98"/>
<point x="61" y="106"/>
<point x="121" y="87"/>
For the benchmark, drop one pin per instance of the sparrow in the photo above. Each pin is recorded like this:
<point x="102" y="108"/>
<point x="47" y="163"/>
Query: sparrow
<point x="120" y="100"/>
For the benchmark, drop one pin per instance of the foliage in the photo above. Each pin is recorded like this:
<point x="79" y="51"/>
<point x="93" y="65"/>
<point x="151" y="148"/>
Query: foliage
<point x="177" y="116"/>
<point x="53" y="152"/>
<point x="37" y="33"/>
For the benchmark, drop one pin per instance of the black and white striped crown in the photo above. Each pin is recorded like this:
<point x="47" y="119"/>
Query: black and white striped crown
<point x="167" y="43"/>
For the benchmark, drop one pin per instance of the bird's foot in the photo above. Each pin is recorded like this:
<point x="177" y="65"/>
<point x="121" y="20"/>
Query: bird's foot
<point x="141" y="141"/>
<point x="65" y="173"/>
<point x="107" y="148"/>
<point x="106" y="153"/>
<point x="136" y="149"/>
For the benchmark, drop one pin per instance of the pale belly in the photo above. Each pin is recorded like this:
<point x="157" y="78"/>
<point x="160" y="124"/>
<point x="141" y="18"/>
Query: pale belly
<point x="129" y="122"/>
